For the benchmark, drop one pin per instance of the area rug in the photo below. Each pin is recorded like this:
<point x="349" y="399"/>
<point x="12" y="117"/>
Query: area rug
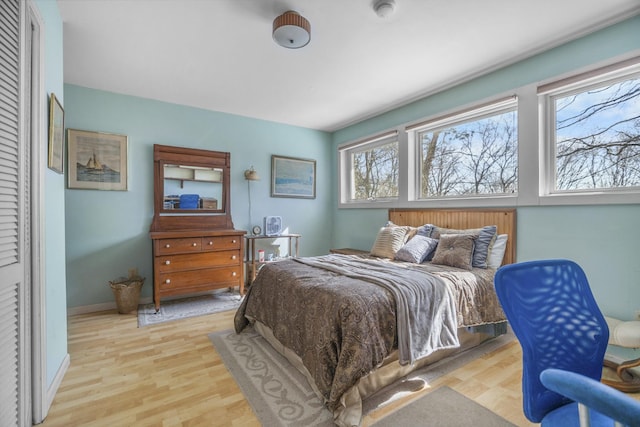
<point x="444" y="407"/>
<point x="281" y="396"/>
<point x="188" y="307"/>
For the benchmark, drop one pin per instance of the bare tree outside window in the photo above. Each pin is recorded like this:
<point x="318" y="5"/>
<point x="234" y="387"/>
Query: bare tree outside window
<point x="597" y="134"/>
<point x="375" y="172"/>
<point x="477" y="157"/>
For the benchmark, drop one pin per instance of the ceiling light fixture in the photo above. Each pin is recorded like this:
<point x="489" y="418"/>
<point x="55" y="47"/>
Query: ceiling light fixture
<point x="291" y="30"/>
<point x="384" y="8"/>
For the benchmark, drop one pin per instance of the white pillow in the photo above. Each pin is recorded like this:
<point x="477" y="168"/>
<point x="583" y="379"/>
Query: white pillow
<point x="497" y="251"/>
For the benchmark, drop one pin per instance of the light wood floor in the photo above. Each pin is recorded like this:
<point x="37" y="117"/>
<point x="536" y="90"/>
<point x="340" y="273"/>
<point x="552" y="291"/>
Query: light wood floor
<point x="171" y="375"/>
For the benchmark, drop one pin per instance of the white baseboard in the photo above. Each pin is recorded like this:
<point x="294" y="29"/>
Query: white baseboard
<point x="105" y="306"/>
<point x="55" y="384"/>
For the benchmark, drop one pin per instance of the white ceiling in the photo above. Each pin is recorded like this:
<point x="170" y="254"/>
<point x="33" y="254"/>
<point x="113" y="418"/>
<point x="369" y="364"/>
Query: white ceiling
<point x="219" y="54"/>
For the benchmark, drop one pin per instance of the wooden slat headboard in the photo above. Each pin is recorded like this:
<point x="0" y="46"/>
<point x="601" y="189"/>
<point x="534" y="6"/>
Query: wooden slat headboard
<point x="504" y="219"/>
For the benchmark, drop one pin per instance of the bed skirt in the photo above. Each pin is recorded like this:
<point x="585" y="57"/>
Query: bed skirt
<point x="349" y="413"/>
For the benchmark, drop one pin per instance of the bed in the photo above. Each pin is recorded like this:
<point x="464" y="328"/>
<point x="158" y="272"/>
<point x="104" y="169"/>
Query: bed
<point x="353" y="324"/>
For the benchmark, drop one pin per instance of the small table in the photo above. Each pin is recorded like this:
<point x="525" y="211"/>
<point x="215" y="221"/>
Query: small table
<point x="626" y="363"/>
<point x="251" y="258"/>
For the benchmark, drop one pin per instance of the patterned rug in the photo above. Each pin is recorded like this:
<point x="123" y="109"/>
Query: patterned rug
<point x="188" y="307"/>
<point x="281" y="396"/>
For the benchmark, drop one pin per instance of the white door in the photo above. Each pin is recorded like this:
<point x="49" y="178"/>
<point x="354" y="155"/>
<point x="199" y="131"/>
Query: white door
<point x="15" y="350"/>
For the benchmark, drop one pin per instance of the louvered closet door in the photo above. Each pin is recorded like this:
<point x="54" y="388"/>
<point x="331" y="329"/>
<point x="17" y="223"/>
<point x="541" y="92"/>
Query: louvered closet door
<point x="14" y="315"/>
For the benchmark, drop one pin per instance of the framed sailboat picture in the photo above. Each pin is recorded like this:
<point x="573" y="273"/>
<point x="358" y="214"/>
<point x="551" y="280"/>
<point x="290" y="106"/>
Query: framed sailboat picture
<point x="97" y="160"/>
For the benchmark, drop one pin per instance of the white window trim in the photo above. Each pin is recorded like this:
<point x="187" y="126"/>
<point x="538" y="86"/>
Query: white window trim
<point x="580" y="82"/>
<point x="532" y="153"/>
<point x="478" y="112"/>
<point x="344" y="167"/>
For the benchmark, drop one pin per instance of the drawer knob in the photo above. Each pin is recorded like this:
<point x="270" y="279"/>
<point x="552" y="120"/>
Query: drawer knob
<point x="233" y="257"/>
<point x="194" y="244"/>
<point x="167" y="281"/>
<point x="167" y="262"/>
<point x="233" y="241"/>
<point x="210" y="243"/>
<point x="167" y="245"/>
<point x="233" y="274"/>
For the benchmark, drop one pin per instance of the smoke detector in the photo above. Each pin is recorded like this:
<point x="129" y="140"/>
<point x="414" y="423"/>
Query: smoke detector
<point x="384" y="8"/>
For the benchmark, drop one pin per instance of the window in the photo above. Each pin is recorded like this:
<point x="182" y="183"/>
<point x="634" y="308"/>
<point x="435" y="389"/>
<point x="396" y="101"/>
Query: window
<point x="473" y="153"/>
<point x="372" y="168"/>
<point x="595" y="133"/>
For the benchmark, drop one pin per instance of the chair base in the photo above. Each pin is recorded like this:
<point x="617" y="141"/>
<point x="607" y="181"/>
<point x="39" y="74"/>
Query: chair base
<point x="629" y="380"/>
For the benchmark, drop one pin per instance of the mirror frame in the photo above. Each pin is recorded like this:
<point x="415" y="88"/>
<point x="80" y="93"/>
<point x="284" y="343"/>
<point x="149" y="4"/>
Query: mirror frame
<point x="167" y="219"/>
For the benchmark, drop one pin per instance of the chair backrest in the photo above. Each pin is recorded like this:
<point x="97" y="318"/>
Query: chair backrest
<point x="552" y="312"/>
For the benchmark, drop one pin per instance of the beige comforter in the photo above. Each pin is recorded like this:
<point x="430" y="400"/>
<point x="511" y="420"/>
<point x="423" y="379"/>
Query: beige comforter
<point x="342" y="326"/>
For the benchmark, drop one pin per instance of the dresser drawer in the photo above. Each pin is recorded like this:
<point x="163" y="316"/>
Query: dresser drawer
<point x="215" y="243"/>
<point x="174" y="246"/>
<point x="168" y="263"/>
<point x="223" y="276"/>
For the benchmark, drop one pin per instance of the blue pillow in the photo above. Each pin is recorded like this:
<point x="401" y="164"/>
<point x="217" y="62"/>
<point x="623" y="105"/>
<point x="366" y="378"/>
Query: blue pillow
<point x="417" y="249"/>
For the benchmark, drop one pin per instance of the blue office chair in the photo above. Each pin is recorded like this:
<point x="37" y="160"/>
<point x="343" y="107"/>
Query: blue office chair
<point x="552" y="312"/>
<point x="589" y="394"/>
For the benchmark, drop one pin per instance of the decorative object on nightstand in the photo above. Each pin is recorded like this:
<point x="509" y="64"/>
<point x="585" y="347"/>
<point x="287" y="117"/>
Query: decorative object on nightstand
<point x="272" y="225"/>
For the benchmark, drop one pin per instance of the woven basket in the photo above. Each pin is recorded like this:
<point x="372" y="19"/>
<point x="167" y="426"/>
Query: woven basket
<point x="127" y="293"/>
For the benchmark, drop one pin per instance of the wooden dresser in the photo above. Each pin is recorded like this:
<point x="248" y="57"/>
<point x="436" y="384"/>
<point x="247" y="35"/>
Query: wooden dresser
<point x="195" y="261"/>
<point x="195" y="247"/>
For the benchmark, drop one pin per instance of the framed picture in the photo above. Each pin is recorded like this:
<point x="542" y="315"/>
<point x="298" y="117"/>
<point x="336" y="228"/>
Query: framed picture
<point x="291" y="177"/>
<point x="97" y="161"/>
<point x="56" y="135"/>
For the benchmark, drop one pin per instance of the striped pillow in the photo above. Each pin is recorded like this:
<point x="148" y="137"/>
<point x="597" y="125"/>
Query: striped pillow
<point x="388" y="241"/>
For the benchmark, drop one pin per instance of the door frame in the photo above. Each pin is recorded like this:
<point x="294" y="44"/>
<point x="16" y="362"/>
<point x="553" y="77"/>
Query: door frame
<point x="35" y="119"/>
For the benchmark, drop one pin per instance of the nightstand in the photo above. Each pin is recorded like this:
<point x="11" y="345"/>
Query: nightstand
<point x="254" y="264"/>
<point x="348" y="251"/>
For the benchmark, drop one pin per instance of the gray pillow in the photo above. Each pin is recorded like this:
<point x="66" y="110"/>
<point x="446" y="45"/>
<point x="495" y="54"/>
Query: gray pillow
<point x="417" y="249"/>
<point x="485" y="238"/>
<point x="455" y="250"/>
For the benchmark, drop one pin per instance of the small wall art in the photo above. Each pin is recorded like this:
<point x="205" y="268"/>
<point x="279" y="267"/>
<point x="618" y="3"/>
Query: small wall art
<point x="97" y="160"/>
<point x="293" y="177"/>
<point x="56" y="135"/>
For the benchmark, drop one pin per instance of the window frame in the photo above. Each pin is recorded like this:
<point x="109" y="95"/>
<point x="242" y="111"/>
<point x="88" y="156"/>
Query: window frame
<point x="467" y="115"/>
<point x="533" y="150"/>
<point x="345" y="167"/>
<point x="547" y="94"/>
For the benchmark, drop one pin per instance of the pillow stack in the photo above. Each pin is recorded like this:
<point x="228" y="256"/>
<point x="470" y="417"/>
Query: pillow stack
<point x="460" y="248"/>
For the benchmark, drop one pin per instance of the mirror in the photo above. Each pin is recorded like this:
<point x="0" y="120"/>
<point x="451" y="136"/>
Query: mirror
<point x="192" y="188"/>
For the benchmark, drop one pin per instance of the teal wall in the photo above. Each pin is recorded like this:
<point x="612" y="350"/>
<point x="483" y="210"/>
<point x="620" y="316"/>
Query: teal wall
<point x="54" y="235"/>
<point x="107" y="232"/>
<point x="602" y="238"/>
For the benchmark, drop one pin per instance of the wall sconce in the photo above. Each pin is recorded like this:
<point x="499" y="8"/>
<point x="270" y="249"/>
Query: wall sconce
<point x="251" y="175"/>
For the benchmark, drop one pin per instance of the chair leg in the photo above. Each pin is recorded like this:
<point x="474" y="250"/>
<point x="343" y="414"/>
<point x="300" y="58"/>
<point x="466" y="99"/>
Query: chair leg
<point x="629" y="380"/>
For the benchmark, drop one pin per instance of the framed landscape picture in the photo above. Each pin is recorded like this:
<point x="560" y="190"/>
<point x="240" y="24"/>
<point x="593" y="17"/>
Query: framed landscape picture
<point x="97" y="161"/>
<point x="292" y="177"/>
<point x="56" y="135"/>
